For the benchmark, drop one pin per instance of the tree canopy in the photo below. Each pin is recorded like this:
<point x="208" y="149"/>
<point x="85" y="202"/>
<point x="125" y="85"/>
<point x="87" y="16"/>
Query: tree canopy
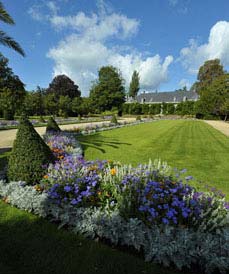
<point x="62" y="85"/>
<point x="108" y="91"/>
<point x="134" y="84"/>
<point x="209" y="71"/>
<point x="213" y="97"/>
<point x="12" y="91"/>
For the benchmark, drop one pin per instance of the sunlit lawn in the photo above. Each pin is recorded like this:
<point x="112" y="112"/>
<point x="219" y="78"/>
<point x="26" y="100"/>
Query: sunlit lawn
<point x="194" y="145"/>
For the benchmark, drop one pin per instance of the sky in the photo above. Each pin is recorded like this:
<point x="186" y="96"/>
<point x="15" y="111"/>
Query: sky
<point x="166" y="41"/>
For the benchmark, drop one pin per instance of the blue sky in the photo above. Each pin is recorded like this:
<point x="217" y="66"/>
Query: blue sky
<point x="165" y="40"/>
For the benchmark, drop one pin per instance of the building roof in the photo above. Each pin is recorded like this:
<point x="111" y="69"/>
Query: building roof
<point x="167" y="97"/>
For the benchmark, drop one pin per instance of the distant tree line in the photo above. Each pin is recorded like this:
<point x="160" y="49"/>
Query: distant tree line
<point x="63" y="96"/>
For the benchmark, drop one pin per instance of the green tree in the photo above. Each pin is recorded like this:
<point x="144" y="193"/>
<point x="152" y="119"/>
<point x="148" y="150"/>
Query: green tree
<point x="4" y="38"/>
<point x="108" y="91"/>
<point x="134" y="85"/>
<point x="225" y="108"/>
<point x="51" y="104"/>
<point x="213" y="96"/>
<point x="11" y="88"/>
<point x="77" y="105"/>
<point x="209" y="71"/>
<point x="7" y="104"/>
<point x="62" y="85"/>
<point x="64" y="106"/>
<point x="34" y="102"/>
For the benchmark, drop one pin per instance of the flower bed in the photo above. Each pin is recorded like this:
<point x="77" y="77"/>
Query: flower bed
<point x="145" y="207"/>
<point x="106" y="126"/>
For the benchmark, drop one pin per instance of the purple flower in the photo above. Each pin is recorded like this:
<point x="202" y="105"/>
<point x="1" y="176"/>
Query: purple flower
<point x="74" y="202"/>
<point x="165" y="221"/>
<point x="67" y="188"/>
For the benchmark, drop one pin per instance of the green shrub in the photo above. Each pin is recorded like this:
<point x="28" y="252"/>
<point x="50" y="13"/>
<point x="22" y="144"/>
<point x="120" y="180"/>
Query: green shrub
<point x="52" y="125"/>
<point x="41" y="119"/>
<point x="114" y="120"/>
<point x="138" y="118"/>
<point x="8" y="115"/>
<point x="29" y="155"/>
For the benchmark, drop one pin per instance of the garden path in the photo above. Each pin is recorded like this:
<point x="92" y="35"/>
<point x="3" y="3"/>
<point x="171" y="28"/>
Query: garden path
<point x="220" y="125"/>
<point x="7" y="136"/>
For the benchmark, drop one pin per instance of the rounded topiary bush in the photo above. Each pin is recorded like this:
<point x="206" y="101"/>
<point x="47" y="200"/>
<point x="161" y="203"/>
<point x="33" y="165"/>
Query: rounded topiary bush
<point x="29" y="155"/>
<point x="52" y="125"/>
<point x="114" y="120"/>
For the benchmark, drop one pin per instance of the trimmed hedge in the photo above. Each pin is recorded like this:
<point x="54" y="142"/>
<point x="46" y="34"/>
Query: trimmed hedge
<point x="52" y="126"/>
<point x="114" y="120"/>
<point x="29" y="155"/>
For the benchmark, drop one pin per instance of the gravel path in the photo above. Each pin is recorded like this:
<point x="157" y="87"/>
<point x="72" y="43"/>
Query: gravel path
<point x="7" y="136"/>
<point x="220" y="125"/>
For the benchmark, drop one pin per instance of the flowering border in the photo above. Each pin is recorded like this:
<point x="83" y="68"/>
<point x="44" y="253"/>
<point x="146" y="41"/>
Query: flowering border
<point x="182" y="247"/>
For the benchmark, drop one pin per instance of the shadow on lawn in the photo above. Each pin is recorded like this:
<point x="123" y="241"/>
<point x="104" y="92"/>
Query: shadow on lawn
<point x="33" y="245"/>
<point x="98" y="141"/>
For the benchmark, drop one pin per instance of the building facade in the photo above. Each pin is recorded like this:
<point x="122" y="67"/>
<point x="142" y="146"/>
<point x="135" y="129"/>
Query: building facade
<point x="174" y="97"/>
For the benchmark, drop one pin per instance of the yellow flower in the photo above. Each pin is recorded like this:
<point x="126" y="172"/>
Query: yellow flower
<point x="113" y="171"/>
<point x="45" y="176"/>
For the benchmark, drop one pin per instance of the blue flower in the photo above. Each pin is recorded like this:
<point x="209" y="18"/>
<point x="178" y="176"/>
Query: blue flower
<point x="165" y="221"/>
<point x="67" y="188"/>
<point x="74" y="202"/>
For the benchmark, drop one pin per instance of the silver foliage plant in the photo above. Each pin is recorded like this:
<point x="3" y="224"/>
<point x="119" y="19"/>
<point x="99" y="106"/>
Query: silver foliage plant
<point x="168" y="245"/>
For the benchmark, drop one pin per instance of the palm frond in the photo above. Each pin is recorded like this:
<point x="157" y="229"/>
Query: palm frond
<point x="4" y="15"/>
<point x="10" y="42"/>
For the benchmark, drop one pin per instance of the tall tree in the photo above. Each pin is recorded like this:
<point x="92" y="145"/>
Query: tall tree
<point x="11" y="90"/>
<point x="62" y="85"/>
<point x="34" y="102"/>
<point x="214" y="96"/>
<point x="209" y="71"/>
<point x="4" y="38"/>
<point x="64" y="106"/>
<point x="225" y="108"/>
<point x="108" y="92"/>
<point x="134" y="85"/>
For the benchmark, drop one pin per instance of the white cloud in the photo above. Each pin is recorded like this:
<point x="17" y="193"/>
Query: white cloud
<point x="184" y="83"/>
<point x="52" y="7"/>
<point x="82" y="53"/>
<point x="193" y="56"/>
<point x="173" y="3"/>
<point x="35" y="13"/>
<point x="96" y="27"/>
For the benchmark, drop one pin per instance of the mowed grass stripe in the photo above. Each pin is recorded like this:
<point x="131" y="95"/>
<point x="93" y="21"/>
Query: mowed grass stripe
<point x="194" y="145"/>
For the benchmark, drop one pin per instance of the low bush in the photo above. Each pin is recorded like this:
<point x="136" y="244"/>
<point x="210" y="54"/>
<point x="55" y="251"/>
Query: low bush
<point x="52" y="126"/>
<point x="114" y="120"/>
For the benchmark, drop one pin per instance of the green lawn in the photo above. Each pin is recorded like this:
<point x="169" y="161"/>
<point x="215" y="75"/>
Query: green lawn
<point x="194" y="145"/>
<point x="31" y="245"/>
